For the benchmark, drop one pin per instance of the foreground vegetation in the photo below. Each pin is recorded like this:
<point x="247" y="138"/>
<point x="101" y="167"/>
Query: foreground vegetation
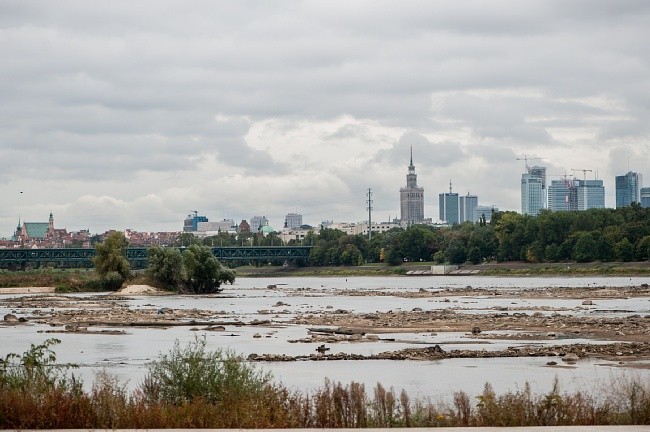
<point x="191" y="387"/>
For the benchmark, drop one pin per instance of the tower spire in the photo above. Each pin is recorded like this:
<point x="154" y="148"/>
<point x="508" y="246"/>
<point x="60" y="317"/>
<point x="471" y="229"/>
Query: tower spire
<point x="411" y="155"/>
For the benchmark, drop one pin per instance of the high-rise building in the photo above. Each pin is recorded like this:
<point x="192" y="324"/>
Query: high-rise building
<point x="589" y="194"/>
<point x="628" y="189"/>
<point x="449" y="208"/>
<point x="645" y="197"/>
<point x="576" y="195"/>
<point x="483" y="211"/>
<point x="532" y="194"/>
<point x="293" y="220"/>
<point x="466" y="208"/>
<point x="257" y="222"/>
<point x="559" y="195"/>
<point x="411" y="198"/>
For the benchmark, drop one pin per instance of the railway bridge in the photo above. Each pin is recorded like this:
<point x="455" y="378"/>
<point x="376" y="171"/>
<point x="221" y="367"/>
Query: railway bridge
<point x="137" y="257"/>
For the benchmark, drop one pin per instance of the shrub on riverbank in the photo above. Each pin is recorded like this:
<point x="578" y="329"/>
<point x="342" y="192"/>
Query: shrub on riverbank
<point x="195" y="271"/>
<point x="194" y="388"/>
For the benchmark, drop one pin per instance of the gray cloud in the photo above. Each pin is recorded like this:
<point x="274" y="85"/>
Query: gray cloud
<point x="163" y="95"/>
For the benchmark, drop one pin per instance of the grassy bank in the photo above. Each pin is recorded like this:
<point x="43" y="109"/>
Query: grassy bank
<point x="64" y="280"/>
<point x="488" y="269"/>
<point x="79" y="280"/>
<point x="191" y="387"/>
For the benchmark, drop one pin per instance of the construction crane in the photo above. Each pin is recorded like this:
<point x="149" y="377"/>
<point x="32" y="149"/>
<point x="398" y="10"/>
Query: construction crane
<point x="584" y="172"/>
<point x="526" y="159"/>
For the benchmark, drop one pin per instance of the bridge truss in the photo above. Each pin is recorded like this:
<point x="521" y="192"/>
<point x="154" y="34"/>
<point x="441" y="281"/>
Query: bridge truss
<point x="137" y="257"/>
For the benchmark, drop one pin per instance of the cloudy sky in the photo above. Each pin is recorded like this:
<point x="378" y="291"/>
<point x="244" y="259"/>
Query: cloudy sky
<point x="131" y="114"/>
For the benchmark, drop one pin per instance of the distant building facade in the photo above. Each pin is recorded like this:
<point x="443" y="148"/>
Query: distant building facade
<point x="589" y="194"/>
<point x="411" y="198"/>
<point x="533" y="188"/>
<point x="559" y="194"/>
<point x="244" y="227"/>
<point x="645" y="197"/>
<point x="257" y="222"/>
<point x="628" y="188"/>
<point x="466" y="206"/>
<point x="449" y="207"/>
<point x="576" y="195"/>
<point x="293" y="220"/>
<point x="484" y="212"/>
<point x="191" y="222"/>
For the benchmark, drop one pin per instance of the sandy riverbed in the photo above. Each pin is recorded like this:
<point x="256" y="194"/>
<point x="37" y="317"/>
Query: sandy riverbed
<point x="507" y="321"/>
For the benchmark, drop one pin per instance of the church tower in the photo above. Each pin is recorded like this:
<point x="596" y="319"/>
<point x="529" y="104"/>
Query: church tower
<point x="411" y="198"/>
<point x="50" y="225"/>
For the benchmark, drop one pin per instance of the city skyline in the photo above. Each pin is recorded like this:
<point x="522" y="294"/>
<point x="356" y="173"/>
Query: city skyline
<point x="132" y="115"/>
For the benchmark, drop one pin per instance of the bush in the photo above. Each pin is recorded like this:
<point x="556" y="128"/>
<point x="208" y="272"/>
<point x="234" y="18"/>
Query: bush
<point x="186" y="374"/>
<point x="110" y="256"/>
<point x="166" y="267"/>
<point x="204" y="273"/>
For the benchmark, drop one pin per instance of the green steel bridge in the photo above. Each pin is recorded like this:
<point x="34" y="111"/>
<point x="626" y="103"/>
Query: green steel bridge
<point x="137" y="257"/>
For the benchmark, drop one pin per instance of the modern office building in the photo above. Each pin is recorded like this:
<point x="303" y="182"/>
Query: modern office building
<point x="645" y="197"/>
<point x="559" y="195"/>
<point x="191" y="223"/>
<point x="532" y="194"/>
<point x="576" y="195"/>
<point x="257" y="222"/>
<point x="293" y="220"/>
<point x="449" y="207"/>
<point x="483" y="211"/>
<point x="589" y="194"/>
<point x="466" y="207"/>
<point x="628" y="188"/>
<point x="411" y="198"/>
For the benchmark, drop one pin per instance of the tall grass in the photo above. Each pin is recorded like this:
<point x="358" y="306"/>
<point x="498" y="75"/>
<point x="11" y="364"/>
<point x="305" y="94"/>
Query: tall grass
<point x="191" y="387"/>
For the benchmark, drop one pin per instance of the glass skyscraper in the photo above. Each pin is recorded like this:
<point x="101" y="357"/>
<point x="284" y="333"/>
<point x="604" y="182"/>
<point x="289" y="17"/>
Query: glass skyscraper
<point x="533" y="189"/>
<point x="449" y="209"/>
<point x="645" y="197"/>
<point x="575" y="195"/>
<point x="628" y="188"/>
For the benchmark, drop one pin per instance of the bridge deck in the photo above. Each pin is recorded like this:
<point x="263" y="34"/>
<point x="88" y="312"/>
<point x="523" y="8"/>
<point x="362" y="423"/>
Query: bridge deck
<point x="82" y="257"/>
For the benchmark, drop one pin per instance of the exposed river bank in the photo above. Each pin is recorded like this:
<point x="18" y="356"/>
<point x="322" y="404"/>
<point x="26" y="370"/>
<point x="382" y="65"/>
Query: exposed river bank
<point x="428" y="335"/>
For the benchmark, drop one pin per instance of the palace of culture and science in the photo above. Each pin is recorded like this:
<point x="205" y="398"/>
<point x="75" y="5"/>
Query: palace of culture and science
<point x="411" y="198"/>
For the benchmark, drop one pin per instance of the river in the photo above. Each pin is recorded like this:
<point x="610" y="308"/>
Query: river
<point x="126" y="355"/>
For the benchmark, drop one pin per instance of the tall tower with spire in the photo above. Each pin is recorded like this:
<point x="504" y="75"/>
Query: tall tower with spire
<point x="411" y="198"/>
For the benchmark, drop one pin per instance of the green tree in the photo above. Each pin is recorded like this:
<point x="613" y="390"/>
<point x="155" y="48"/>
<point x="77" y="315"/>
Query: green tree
<point x="586" y="248"/>
<point x="456" y="252"/>
<point x="643" y="248"/>
<point x="204" y="273"/>
<point x="417" y="243"/>
<point x="110" y="256"/>
<point x="624" y="250"/>
<point x="166" y="267"/>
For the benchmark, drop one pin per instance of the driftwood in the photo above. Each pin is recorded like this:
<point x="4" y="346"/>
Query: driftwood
<point x="340" y="330"/>
<point x="171" y="323"/>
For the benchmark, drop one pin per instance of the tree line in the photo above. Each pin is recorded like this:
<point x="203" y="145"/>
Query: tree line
<point x="585" y="236"/>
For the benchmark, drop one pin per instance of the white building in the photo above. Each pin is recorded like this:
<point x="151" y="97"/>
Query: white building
<point x="257" y="222"/>
<point x="466" y="207"/>
<point x="532" y="194"/>
<point x="293" y="220"/>
<point x="205" y="229"/>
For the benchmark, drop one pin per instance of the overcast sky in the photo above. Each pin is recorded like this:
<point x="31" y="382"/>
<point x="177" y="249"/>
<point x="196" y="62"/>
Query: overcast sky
<point x="131" y="114"/>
